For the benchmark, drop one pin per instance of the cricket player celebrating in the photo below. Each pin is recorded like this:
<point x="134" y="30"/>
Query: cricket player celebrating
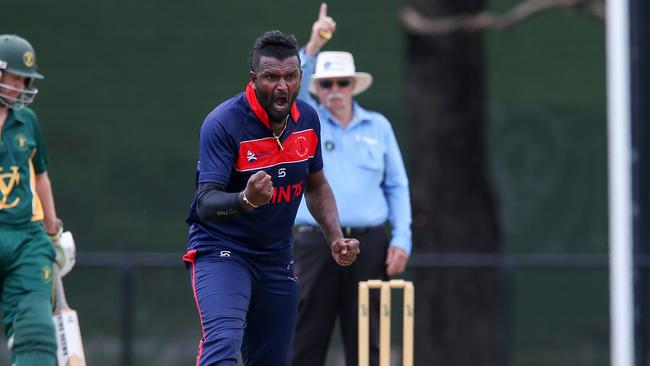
<point x="26" y="214"/>
<point x="258" y="153"/>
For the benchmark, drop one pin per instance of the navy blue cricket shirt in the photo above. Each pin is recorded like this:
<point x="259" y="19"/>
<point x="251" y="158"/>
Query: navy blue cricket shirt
<point x="235" y="142"/>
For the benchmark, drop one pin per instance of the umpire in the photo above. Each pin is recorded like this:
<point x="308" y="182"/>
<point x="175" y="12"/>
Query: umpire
<point x="365" y="169"/>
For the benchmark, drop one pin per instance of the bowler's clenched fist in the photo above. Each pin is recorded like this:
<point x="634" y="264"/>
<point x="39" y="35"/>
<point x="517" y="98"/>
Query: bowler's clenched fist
<point x="259" y="189"/>
<point x="345" y="251"/>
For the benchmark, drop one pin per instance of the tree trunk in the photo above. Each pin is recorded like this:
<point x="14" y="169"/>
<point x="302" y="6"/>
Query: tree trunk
<point x="454" y="210"/>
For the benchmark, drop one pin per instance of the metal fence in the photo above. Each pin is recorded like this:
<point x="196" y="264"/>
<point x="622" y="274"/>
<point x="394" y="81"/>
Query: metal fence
<point x="128" y="263"/>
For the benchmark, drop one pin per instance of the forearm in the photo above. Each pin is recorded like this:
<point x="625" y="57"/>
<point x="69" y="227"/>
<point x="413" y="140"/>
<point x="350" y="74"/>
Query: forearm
<point x="312" y="48"/>
<point x="307" y="64"/>
<point x="322" y="206"/>
<point x="214" y="204"/>
<point x="44" y="192"/>
<point x="396" y="190"/>
<point x="400" y="218"/>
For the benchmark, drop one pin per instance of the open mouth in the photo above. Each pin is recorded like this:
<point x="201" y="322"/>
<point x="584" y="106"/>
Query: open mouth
<point x="280" y="102"/>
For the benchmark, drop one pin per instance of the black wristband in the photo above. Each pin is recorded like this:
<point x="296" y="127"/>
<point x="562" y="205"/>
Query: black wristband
<point x="214" y="204"/>
<point x="59" y="230"/>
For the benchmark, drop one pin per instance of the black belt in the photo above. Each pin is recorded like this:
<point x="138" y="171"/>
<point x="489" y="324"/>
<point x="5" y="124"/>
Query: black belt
<point x="347" y="230"/>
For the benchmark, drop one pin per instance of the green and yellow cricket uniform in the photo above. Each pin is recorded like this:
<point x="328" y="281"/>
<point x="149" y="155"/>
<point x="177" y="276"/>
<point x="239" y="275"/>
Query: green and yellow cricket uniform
<point x="26" y="253"/>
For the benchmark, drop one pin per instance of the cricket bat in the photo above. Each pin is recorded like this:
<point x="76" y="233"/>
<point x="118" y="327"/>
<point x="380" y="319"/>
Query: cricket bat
<point x="70" y="349"/>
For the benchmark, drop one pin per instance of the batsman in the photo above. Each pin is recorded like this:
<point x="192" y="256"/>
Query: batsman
<point x="29" y="227"/>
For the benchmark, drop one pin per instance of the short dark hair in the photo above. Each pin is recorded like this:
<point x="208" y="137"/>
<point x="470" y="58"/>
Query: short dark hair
<point x="274" y="44"/>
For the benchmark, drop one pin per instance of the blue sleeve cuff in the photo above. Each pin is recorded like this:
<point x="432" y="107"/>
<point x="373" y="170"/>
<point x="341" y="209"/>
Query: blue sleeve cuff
<point x="306" y="60"/>
<point x="402" y="242"/>
<point x="308" y="64"/>
<point x="215" y="178"/>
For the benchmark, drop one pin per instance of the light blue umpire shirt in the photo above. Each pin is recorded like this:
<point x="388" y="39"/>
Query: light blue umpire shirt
<point x="364" y="167"/>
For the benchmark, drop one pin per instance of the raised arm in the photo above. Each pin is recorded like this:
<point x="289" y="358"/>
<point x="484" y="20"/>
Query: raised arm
<point x="321" y="32"/>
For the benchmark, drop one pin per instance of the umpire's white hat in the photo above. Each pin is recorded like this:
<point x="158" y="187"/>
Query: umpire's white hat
<point x="339" y="64"/>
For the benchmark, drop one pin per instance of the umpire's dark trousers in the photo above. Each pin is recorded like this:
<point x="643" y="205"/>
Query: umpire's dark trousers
<point x="328" y="290"/>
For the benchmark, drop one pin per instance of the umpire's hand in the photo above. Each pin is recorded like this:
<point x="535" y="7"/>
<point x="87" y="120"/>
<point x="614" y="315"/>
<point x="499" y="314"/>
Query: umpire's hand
<point x="345" y="251"/>
<point x="321" y="32"/>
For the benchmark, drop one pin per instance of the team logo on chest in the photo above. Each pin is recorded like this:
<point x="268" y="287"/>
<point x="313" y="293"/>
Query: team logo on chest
<point x="301" y="146"/>
<point x="257" y="156"/>
<point x="264" y="153"/>
<point x="22" y="142"/>
<point x="7" y="183"/>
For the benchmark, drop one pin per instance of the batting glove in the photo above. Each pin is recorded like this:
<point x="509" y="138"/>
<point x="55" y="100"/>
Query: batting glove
<point x="66" y="252"/>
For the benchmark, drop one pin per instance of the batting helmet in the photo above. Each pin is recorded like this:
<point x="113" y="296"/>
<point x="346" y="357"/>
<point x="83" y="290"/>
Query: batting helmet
<point x="17" y="57"/>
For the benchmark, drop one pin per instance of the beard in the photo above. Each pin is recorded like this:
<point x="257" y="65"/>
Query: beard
<point x="278" y="113"/>
<point x="277" y="116"/>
